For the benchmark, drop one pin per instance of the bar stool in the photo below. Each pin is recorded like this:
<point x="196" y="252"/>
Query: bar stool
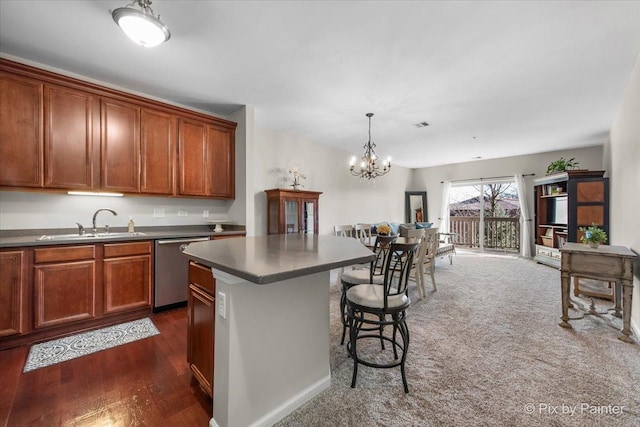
<point x="386" y="306"/>
<point x="373" y="274"/>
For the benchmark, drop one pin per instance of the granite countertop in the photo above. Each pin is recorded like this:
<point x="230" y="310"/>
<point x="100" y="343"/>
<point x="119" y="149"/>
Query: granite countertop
<point x="267" y="259"/>
<point x="24" y="238"/>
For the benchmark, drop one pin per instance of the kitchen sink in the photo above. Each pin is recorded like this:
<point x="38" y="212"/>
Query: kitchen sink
<point x="88" y="236"/>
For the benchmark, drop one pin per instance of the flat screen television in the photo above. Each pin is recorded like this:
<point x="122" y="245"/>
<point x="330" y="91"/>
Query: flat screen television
<point x="560" y="210"/>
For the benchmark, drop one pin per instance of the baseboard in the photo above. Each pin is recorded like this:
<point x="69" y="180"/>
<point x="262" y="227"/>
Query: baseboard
<point x="295" y="402"/>
<point x="289" y="406"/>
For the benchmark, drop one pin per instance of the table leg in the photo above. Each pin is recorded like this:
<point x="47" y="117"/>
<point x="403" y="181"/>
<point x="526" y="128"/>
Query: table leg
<point x="627" y="288"/>
<point x="565" y="284"/>
<point x="617" y="289"/>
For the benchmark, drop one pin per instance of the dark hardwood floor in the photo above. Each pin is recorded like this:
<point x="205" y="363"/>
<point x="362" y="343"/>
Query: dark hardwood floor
<point x="144" y="383"/>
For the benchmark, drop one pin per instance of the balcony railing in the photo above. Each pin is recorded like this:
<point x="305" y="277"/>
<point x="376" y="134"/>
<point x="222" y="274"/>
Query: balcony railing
<point x="500" y="233"/>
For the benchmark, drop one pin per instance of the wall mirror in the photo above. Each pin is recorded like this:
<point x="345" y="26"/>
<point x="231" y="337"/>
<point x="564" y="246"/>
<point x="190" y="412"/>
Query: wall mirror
<point x="415" y="206"/>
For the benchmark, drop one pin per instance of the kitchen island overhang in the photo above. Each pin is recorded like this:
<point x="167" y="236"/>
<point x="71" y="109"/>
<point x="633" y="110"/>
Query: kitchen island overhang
<point x="272" y="338"/>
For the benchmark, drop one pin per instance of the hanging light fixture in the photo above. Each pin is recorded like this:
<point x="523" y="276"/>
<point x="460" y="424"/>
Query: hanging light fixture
<point x="140" y="24"/>
<point x="369" y="167"/>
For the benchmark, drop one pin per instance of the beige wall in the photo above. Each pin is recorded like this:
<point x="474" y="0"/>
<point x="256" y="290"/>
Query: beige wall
<point x="345" y="199"/>
<point x="622" y="154"/>
<point x="431" y="178"/>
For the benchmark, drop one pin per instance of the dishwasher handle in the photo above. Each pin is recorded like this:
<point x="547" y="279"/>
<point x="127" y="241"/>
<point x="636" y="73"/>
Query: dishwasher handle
<point x="173" y="241"/>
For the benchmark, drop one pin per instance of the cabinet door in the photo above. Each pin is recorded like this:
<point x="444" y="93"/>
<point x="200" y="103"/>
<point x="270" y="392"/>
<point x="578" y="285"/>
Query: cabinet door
<point x="11" y="288"/>
<point x="20" y="131"/>
<point x="157" y="152"/>
<point x="200" y="336"/>
<point x="69" y="139"/>
<point x="192" y="154"/>
<point x="127" y="283"/>
<point x="120" y="146"/>
<point x="220" y="162"/>
<point x="64" y="292"/>
<point x="309" y="218"/>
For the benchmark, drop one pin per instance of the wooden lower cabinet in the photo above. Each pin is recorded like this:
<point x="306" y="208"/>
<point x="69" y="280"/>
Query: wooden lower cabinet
<point x="52" y="291"/>
<point x="64" y="285"/>
<point x="12" y="278"/>
<point x="127" y="276"/>
<point x="201" y="325"/>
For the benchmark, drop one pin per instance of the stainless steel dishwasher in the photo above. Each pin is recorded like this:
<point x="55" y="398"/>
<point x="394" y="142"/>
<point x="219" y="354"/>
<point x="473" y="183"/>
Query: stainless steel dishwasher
<point x="171" y="273"/>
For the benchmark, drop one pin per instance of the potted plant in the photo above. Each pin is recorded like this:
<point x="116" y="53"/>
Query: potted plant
<point x="562" y="165"/>
<point x="593" y="236"/>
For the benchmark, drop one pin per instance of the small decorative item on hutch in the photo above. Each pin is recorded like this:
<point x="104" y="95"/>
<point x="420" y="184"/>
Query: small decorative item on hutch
<point x="296" y="177"/>
<point x="593" y="236"/>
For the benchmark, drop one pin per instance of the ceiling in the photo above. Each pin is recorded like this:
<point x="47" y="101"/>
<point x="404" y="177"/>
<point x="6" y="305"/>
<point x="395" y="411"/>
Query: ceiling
<point x="492" y="79"/>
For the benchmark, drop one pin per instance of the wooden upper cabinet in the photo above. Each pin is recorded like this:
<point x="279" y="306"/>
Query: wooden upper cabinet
<point x="59" y="133"/>
<point x="221" y="161"/>
<point x="206" y="156"/>
<point x="157" y="152"/>
<point x="69" y="138"/>
<point x="120" y="150"/>
<point x="192" y="158"/>
<point x="21" y="163"/>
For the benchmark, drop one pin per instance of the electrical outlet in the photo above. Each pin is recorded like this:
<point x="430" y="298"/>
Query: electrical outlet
<point x="222" y="305"/>
<point x="158" y="213"/>
<point x="183" y="213"/>
<point x="205" y="213"/>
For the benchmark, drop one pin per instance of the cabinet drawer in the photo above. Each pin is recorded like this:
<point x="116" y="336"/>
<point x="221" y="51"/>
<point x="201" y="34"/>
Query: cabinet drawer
<point x="64" y="253"/>
<point x="112" y="250"/>
<point x="202" y="276"/>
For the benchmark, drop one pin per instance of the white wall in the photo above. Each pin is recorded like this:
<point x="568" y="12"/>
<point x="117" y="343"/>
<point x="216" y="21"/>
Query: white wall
<point x="622" y="154"/>
<point x="345" y="199"/>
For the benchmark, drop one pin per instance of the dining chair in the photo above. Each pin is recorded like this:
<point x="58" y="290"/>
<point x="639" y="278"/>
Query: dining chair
<point x="343" y="230"/>
<point x="372" y="307"/>
<point x="363" y="231"/>
<point x="429" y="261"/>
<point x="418" y="236"/>
<point x="373" y="274"/>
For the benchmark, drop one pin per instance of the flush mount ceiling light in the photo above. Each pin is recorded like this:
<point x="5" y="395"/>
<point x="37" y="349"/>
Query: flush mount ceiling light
<point x="140" y="24"/>
<point x="369" y="167"/>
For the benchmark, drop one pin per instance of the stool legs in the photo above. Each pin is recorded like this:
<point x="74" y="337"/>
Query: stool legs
<point x="399" y="340"/>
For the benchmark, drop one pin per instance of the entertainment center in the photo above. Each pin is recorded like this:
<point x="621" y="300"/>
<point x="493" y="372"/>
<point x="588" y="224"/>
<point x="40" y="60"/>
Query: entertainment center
<point x="564" y="202"/>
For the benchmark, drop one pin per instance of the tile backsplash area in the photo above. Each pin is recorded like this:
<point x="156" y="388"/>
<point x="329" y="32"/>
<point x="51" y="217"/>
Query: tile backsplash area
<point x="26" y="210"/>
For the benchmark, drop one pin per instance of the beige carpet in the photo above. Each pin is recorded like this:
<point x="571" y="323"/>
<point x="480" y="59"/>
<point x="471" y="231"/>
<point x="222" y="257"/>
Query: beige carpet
<point x="486" y="349"/>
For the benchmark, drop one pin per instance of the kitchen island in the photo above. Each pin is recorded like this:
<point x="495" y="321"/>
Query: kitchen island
<point x="272" y="321"/>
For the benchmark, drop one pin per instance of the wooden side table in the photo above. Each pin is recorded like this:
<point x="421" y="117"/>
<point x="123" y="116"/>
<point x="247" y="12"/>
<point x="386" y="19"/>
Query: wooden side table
<point x="606" y="263"/>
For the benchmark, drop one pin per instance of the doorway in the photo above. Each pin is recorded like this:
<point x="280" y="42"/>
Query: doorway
<point x="485" y="215"/>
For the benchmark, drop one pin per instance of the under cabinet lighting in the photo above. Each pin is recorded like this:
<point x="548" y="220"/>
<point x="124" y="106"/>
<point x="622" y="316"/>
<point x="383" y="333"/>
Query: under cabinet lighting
<point x="94" y="193"/>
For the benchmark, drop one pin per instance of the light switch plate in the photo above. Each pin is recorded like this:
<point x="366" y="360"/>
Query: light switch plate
<point x="205" y="213"/>
<point x="183" y="213"/>
<point x="158" y="213"/>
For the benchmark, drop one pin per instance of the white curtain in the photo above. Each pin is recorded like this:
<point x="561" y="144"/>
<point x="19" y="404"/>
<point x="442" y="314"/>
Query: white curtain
<point x="525" y="218"/>
<point x="444" y="210"/>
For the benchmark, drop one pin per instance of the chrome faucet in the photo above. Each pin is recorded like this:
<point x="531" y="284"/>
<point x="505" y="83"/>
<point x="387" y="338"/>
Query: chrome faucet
<point x="94" y="230"/>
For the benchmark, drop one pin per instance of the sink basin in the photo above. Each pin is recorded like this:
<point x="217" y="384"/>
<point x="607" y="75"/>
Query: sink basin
<point x="89" y="236"/>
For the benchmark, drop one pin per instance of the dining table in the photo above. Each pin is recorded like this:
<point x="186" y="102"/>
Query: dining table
<point x="370" y="242"/>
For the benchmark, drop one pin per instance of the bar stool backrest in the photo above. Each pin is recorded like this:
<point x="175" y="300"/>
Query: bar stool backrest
<point x="398" y="270"/>
<point x="381" y="248"/>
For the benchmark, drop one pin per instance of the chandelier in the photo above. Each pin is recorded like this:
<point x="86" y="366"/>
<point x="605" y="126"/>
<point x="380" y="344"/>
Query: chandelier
<point x="140" y="24"/>
<point x="369" y="167"/>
